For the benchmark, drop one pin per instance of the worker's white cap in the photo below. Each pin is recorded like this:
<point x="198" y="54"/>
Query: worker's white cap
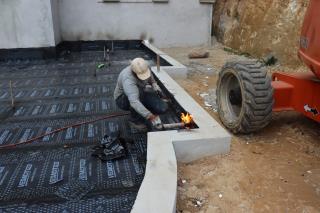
<point x="140" y="67"/>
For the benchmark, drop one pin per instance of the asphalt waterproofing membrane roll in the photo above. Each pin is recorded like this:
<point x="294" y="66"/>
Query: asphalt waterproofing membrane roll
<point x="57" y="173"/>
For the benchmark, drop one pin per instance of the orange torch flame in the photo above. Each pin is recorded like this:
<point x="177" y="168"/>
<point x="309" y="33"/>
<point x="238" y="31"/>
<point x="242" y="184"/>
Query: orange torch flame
<point x="186" y="119"/>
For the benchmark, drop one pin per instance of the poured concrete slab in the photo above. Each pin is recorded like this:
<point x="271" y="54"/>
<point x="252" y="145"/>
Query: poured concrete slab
<point x="159" y="187"/>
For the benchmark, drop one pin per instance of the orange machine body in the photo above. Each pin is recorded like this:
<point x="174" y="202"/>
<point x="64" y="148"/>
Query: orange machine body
<point x="309" y="50"/>
<point x="301" y="91"/>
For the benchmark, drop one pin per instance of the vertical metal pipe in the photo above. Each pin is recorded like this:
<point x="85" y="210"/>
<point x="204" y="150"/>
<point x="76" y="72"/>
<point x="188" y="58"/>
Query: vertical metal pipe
<point x="158" y="63"/>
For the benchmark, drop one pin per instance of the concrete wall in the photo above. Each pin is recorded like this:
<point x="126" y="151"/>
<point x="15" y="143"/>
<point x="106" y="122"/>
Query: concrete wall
<point x="26" y="23"/>
<point x="177" y="23"/>
<point x="43" y="23"/>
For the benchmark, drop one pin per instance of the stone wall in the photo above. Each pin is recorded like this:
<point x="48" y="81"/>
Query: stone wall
<point x="260" y="27"/>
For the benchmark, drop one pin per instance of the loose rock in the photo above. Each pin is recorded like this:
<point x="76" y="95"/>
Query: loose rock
<point x="198" y="54"/>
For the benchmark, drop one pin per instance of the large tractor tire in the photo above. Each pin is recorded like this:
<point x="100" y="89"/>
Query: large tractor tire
<point x="244" y="96"/>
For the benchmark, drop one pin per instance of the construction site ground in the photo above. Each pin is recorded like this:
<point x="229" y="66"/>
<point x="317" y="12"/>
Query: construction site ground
<point x="274" y="170"/>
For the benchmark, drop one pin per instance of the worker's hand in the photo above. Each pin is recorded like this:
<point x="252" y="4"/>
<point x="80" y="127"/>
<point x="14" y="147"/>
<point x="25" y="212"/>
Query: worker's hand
<point x="155" y="121"/>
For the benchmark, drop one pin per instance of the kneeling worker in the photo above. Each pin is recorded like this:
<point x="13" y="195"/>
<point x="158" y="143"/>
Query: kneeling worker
<point x="137" y="91"/>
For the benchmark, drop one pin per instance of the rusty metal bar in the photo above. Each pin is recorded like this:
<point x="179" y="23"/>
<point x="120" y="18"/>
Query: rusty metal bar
<point x="158" y="63"/>
<point x="11" y="94"/>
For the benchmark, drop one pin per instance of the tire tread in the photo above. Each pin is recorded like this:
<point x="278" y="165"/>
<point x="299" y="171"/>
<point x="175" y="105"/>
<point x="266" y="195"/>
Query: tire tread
<point x="258" y="94"/>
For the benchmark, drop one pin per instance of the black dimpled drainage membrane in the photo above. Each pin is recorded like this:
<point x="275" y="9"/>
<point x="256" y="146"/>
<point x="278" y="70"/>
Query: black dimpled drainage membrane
<point x="57" y="173"/>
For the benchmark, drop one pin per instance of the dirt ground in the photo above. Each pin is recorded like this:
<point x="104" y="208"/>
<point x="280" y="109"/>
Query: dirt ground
<point x="275" y="170"/>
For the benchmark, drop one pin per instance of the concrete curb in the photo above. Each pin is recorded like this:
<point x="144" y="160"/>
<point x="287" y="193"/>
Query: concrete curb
<point x="159" y="187"/>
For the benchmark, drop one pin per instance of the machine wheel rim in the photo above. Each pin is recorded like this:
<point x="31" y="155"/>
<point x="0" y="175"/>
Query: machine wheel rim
<point x="231" y="97"/>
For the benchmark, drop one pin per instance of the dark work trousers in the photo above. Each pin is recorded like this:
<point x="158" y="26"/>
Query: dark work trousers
<point x="149" y="99"/>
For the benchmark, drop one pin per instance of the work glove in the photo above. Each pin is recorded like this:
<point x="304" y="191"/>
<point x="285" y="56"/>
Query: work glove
<point x="155" y="121"/>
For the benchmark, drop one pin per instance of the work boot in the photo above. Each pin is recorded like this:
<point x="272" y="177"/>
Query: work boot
<point x="138" y="126"/>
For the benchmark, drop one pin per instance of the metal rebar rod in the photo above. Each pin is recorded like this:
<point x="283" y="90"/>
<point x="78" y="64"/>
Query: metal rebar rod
<point x="158" y="63"/>
<point x="108" y="57"/>
<point x="11" y="94"/>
